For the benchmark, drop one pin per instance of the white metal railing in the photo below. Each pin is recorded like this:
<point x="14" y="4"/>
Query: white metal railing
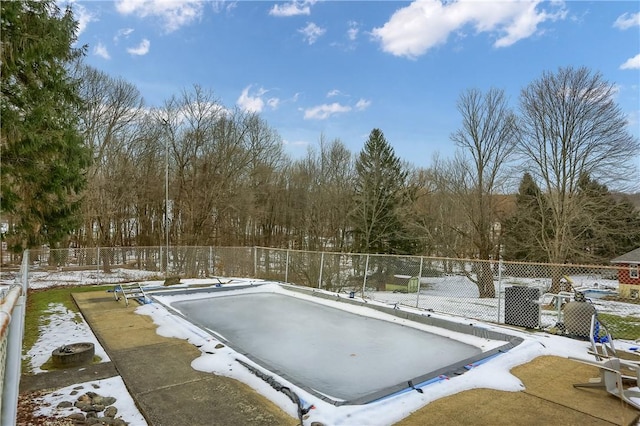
<point x="12" y="316"/>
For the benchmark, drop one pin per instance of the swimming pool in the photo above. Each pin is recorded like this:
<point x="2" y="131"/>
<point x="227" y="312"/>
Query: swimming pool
<point x="342" y="350"/>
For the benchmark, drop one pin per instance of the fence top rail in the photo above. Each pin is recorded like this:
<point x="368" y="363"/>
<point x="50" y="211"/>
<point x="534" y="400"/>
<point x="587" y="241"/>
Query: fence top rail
<point x="6" y="308"/>
<point x="429" y="258"/>
<point x="458" y="259"/>
<point x="39" y="249"/>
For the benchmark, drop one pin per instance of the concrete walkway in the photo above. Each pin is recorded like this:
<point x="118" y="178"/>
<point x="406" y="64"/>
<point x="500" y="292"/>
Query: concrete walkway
<point x="57" y="379"/>
<point x="157" y="372"/>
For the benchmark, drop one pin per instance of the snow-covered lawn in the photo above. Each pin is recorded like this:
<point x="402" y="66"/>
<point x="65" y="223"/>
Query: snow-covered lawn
<point x="60" y="327"/>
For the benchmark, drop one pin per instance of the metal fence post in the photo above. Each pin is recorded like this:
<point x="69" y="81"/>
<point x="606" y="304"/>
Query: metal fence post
<point x="255" y="262"/>
<point x="321" y="266"/>
<point x="419" y="279"/>
<point x="366" y="270"/>
<point x="499" y="287"/>
<point x="286" y="268"/>
<point x="212" y="264"/>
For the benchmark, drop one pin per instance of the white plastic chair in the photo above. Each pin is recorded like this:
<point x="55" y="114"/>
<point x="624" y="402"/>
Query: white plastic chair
<point x="611" y="379"/>
<point x="602" y="346"/>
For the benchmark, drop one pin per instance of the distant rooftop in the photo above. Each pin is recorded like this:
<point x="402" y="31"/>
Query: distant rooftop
<point x="632" y="257"/>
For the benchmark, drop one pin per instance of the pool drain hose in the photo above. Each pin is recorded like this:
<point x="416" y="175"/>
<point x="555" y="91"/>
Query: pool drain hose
<point x="280" y="388"/>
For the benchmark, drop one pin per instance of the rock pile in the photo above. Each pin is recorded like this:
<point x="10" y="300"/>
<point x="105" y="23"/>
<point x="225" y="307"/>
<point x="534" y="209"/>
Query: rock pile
<point x="94" y="410"/>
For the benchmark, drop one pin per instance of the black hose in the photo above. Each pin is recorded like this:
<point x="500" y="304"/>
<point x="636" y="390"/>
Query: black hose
<point x="280" y="388"/>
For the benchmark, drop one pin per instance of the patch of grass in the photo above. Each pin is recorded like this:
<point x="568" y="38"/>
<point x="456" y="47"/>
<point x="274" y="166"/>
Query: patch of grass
<point x="621" y="327"/>
<point x="38" y="302"/>
<point x="172" y="281"/>
<point x="50" y="366"/>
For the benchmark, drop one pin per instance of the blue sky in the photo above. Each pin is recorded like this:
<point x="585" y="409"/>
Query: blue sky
<point x="342" y="68"/>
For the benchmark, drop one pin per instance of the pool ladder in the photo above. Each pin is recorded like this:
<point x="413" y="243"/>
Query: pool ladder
<point x="131" y="291"/>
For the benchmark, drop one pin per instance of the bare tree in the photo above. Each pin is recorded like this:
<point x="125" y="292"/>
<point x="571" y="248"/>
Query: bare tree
<point x="486" y="142"/>
<point x="571" y="127"/>
<point x="193" y="125"/>
<point x="338" y="172"/>
<point x="110" y="124"/>
<point x="257" y="189"/>
<point x="325" y="179"/>
<point x="221" y="163"/>
<point x="148" y="175"/>
<point x="433" y="216"/>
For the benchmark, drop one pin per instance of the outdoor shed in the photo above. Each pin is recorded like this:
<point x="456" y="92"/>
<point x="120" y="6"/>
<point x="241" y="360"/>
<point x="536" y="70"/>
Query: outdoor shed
<point x="629" y="274"/>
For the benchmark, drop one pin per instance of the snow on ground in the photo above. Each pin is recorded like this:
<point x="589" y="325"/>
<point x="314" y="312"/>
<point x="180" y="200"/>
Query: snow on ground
<point x="113" y="386"/>
<point x="492" y="374"/>
<point x="61" y="327"/>
<point x="457" y="294"/>
<point x="43" y="279"/>
<point x="64" y="326"/>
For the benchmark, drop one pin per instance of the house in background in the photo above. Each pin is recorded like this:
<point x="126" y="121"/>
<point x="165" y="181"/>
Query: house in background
<point x="629" y="274"/>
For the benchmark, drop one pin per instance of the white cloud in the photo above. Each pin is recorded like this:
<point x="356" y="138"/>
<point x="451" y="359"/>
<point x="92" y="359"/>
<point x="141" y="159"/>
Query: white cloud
<point x="293" y="8"/>
<point x="631" y="63"/>
<point x="101" y="50"/>
<point x="312" y="32"/>
<point x="362" y="104"/>
<point x="141" y="49"/>
<point x="255" y="102"/>
<point x="334" y="92"/>
<point x="523" y="25"/>
<point x="174" y="14"/>
<point x="123" y="32"/>
<point x="322" y="112"/>
<point x="353" y="30"/>
<point x="627" y="20"/>
<point x="83" y="16"/>
<point x="413" y="30"/>
<point x="219" y="6"/>
<point x="273" y="103"/>
<point x="295" y="143"/>
<point x="250" y="103"/>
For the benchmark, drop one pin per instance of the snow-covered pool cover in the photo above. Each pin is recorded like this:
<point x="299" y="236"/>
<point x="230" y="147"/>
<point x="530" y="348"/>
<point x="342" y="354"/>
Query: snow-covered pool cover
<point x="336" y="354"/>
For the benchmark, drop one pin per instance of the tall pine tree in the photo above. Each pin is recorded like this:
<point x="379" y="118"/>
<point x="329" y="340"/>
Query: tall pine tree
<point x="604" y="228"/>
<point x="43" y="155"/>
<point x="523" y="239"/>
<point x="380" y="185"/>
<point x="607" y="227"/>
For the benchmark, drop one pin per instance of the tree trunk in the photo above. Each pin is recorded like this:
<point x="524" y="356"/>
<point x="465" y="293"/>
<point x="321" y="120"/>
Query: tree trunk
<point x="486" y="289"/>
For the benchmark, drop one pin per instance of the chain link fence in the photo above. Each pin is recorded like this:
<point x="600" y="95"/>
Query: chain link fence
<point x="558" y="298"/>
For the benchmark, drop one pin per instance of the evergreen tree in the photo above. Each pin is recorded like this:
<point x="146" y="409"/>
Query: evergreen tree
<point x="523" y="231"/>
<point x="380" y="185"/>
<point x="43" y="156"/>
<point x="627" y="226"/>
<point x="604" y="228"/>
<point x="607" y="227"/>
